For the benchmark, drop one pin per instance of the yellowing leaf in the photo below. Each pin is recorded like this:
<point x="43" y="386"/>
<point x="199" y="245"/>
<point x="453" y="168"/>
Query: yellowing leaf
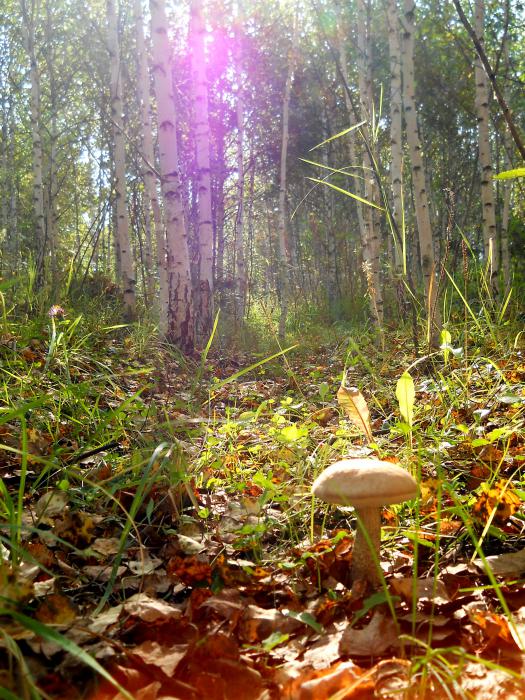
<point x="354" y="405"/>
<point x="510" y="174"/>
<point x="406" y="394"/>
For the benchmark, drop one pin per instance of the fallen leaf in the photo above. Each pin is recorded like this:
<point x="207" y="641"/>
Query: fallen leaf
<point x="354" y="405"/>
<point x="373" y="640"/>
<point x="423" y="589"/>
<point x="511" y="565"/>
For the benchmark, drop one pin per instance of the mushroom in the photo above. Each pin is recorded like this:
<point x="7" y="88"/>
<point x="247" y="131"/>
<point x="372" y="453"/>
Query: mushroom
<point x="366" y="484"/>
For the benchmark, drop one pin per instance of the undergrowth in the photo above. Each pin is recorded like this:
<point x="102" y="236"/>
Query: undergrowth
<point x="201" y="469"/>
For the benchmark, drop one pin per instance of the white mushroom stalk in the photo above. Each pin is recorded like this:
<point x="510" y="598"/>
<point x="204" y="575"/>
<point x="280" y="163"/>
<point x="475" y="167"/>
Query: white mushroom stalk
<point x="366" y="484"/>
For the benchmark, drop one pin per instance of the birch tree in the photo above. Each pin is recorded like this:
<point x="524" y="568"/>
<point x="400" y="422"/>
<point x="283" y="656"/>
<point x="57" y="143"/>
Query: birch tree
<point x="490" y="248"/>
<point x="240" y="262"/>
<point x="123" y="243"/>
<point x="372" y="239"/>
<point x="152" y="210"/>
<point x="204" y="311"/>
<point x="176" y="313"/>
<point x="282" y="227"/>
<point x="423" y="222"/>
<point x="396" y="127"/>
<point x="28" y="33"/>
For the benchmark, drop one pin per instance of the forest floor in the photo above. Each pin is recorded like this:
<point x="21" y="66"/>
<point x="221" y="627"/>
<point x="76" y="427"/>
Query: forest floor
<point x="158" y="537"/>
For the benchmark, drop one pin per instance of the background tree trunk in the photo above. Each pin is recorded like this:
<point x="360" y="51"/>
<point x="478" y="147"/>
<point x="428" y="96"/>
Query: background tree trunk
<point x="119" y="160"/>
<point x="419" y="179"/>
<point x="396" y="130"/>
<point x="152" y="209"/>
<point x="177" y="316"/>
<point x="28" y="30"/>
<point x="284" y="282"/>
<point x="490" y="248"/>
<point x="204" y="311"/>
<point x="240" y="258"/>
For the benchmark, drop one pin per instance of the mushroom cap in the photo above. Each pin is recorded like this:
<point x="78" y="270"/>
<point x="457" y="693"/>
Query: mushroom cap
<point x="364" y="483"/>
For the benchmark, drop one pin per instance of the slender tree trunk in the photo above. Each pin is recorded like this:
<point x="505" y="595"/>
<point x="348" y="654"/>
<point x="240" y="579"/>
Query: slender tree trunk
<point x="351" y="140"/>
<point x="330" y="259"/>
<point x="50" y="192"/>
<point x="396" y="133"/>
<point x="240" y="258"/>
<point x="28" y="30"/>
<point x="219" y="212"/>
<point x="177" y="317"/>
<point x="204" y="312"/>
<point x="424" y="226"/>
<point x="151" y="200"/>
<point x="490" y="248"/>
<point x="507" y="188"/>
<point x="372" y="249"/>
<point x="284" y="282"/>
<point x="119" y="158"/>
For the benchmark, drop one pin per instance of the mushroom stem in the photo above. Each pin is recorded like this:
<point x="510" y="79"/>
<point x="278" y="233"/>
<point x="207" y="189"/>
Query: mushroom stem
<point x="365" y="556"/>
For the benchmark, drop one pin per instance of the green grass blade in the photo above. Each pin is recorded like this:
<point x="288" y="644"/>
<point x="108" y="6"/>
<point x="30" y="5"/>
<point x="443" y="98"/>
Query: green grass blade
<point x="348" y="194"/>
<point x="51" y="635"/>
<point x="337" y="136"/>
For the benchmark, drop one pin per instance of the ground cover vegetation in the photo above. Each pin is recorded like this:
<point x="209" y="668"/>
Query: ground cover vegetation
<point x="241" y="242"/>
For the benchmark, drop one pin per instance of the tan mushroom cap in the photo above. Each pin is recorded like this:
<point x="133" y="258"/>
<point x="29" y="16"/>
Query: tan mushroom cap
<point x="364" y="483"/>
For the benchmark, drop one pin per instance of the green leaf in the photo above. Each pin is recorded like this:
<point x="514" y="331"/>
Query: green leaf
<point x="274" y="640"/>
<point x="406" y="394"/>
<point x="306" y="618"/>
<point x="51" y="635"/>
<point x="510" y="174"/>
<point x="292" y="433"/>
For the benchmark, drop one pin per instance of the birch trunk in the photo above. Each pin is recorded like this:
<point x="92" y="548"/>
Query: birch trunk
<point x="177" y="315"/>
<point x="119" y="159"/>
<point x="507" y="189"/>
<point x="372" y="248"/>
<point x="490" y="248"/>
<point x="424" y="226"/>
<point x="396" y="133"/>
<point x="50" y="192"/>
<point x="284" y="282"/>
<point x="351" y="142"/>
<point x="204" y="311"/>
<point x="240" y="259"/>
<point x="28" y="30"/>
<point x="151" y="203"/>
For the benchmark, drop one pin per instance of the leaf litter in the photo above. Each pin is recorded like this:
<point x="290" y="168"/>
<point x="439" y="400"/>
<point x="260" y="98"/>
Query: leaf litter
<point x="210" y="581"/>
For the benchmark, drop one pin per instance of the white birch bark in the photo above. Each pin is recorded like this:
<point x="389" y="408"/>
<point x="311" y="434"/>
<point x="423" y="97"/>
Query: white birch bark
<point x="204" y="311"/>
<point x="28" y="32"/>
<point x="284" y="282"/>
<point x="178" y="315"/>
<point x="396" y="133"/>
<point x="351" y="139"/>
<point x="240" y="262"/>
<point x="119" y="157"/>
<point x="152" y="204"/>
<point x="490" y="248"/>
<point x="424" y="226"/>
<point x="372" y="249"/>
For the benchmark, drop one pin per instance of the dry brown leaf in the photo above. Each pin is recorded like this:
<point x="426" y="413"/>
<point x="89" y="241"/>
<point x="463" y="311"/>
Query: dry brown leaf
<point x="56" y="609"/>
<point x="167" y="658"/>
<point x="150" y="609"/>
<point x="511" y="565"/>
<point x="422" y="588"/>
<point x="373" y="640"/>
<point x="322" y="685"/>
<point x="354" y="405"/>
<point x="258" y="623"/>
